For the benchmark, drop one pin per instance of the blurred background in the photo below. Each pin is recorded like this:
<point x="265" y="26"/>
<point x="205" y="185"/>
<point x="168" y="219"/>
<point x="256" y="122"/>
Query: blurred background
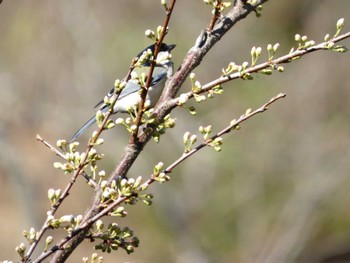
<point x="277" y="192"/>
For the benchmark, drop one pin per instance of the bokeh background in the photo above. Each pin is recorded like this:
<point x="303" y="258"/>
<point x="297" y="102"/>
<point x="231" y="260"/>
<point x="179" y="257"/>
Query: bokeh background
<point x="278" y="191"/>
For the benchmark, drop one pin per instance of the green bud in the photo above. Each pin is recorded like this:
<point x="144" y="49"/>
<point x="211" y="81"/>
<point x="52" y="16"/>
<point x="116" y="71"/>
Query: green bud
<point x="193" y="139"/>
<point x="78" y="219"/>
<point x="138" y="182"/>
<point x="186" y="137"/>
<point x="21" y="249"/>
<point x="226" y="4"/>
<point x="123" y="182"/>
<point x="266" y="71"/>
<point x="197" y="84"/>
<point x="159" y="31"/>
<point x="340" y="23"/>
<point x="258" y="51"/>
<point x="276" y="47"/>
<point x="252" y="51"/>
<point x="330" y="45"/>
<point x="131" y="181"/>
<point x="51" y="194"/>
<point x="99" y="225"/>
<point x="309" y="44"/>
<point x="340" y="49"/>
<point x="170" y="123"/>
<point x="99" y="141"/>
<point x="201" y="129"/>
<point x="104" y="184"/>
<point x="60" y="143"/>
<point x="116" y="83"/>
<point x="133" y="128"/>
<point x="269" y="48"/>
<point x="48" y="242"/>
<point x="159" y="166"/>
<point x="233" y="122"/>
<point x="199" y="98"/>
<point x="144" y="187"/>
<point x="94" y="257"/>
<point x="150" y="34"/>
<point x="128" y="120"/>
<point x="119" y="121"/>
<point x="66" y="219"/>
<point x="208" y="129"/>
<point x="100" y="116"/>
<point x="110" y="124"/>
<point x="57" y="165"/>
<point x="102" y="173"/>
<point x="327" y="37"/>
<point x="245" y="65"/>
<point x="119" y="209"/>
<point x="147" y="104"/>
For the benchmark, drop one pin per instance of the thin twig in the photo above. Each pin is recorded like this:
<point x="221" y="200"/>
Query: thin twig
<point x="57" y="152"/>
<point x="257" y="68"/>
<point x="215" y="16"/>
<point x="168" y="170"/>
<point x="89" y="180"/>
<point x="228" y="129"/>
<point x="78" y="171"/>
<point x="144" y="89"/>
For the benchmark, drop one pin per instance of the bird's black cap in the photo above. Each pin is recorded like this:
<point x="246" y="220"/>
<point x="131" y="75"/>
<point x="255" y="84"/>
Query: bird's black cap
<point x="163" y="47"/>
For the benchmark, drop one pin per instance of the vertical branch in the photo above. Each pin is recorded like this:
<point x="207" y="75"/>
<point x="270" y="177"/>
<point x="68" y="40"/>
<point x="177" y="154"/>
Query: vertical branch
<point x="144" y="89"/>
<point x="215" y="16"/>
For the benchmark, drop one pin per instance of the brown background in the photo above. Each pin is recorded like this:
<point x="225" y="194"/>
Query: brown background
<point x="278" y="191"/>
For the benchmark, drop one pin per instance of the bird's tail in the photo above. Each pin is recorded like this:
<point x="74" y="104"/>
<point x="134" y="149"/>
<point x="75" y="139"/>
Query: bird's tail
<point x="82" y="129"/>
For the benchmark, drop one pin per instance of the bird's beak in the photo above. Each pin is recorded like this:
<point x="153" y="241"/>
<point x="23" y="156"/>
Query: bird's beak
<point x="171" y="46"/>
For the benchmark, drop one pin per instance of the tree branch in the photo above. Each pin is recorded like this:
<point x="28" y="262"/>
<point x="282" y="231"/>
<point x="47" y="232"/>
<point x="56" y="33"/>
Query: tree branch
<point x="78" y="234"/>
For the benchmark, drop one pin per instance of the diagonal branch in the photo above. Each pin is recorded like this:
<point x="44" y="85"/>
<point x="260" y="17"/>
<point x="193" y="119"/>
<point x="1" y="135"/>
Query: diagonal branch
<point x="168" y="105"/>
<point x="193" y="58"/>
<point x="84" y="227"/>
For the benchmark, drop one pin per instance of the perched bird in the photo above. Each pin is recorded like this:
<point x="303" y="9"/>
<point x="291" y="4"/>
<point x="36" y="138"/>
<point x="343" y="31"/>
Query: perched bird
<point x="130" y="95"/>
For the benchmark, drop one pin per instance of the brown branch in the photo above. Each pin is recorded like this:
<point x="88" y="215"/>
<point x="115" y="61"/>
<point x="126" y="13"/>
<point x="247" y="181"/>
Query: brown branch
<point x="239" y="11"/>
<point x="144" y="89"/>
<point x="170" y="104"/>
<point x="89" y="180"/>
<point x="63" y="254"/>
<point x="192" y="60"/>
<point x="215" y="16"/>
<point x="84" y="227"/>
<point x="66" y="246"/>
<point x="227" y="129"/>
<point x="74" y="177"/>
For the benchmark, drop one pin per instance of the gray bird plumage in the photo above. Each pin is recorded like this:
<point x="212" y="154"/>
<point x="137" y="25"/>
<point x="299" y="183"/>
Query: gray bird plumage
<point x="130" y="96"/>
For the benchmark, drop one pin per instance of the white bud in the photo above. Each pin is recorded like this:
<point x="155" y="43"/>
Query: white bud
<point x="340" y="23"/>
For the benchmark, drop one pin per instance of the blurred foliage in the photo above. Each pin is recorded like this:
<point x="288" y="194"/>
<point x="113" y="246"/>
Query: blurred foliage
<point x="278" y="191"/>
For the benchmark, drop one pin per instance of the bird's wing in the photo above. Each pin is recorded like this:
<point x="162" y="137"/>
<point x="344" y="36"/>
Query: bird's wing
<point x="130" y="88"/>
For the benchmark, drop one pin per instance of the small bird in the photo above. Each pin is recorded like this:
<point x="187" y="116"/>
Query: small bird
<point x="130" y="95"/>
